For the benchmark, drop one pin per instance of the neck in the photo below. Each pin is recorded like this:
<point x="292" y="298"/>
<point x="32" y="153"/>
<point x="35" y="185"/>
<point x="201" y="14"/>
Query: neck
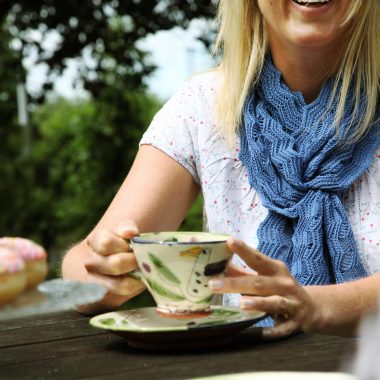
<point x="305" y="71"/>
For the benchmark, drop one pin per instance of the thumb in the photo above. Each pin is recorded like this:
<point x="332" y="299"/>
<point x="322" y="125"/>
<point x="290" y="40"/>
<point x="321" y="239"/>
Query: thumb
<point x="127" y="229"/>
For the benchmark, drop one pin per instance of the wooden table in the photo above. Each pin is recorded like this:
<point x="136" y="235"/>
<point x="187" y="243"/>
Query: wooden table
<point x="64" y="346"/>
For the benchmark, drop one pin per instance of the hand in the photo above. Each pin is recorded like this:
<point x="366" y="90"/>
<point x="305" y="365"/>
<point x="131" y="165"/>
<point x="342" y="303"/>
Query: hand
<point x="271" y="289"/>
<point x="109" y="261"/>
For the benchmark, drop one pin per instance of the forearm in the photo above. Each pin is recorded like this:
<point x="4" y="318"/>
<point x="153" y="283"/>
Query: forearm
<point x="155" y="184"/>
<point x="340" y="308"/>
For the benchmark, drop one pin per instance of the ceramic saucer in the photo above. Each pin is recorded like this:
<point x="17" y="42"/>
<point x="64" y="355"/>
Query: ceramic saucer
<point x="144" y="328"/>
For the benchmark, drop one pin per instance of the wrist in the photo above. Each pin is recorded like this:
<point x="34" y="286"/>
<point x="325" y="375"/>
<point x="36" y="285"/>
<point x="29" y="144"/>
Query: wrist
<point x="319" y="317"/>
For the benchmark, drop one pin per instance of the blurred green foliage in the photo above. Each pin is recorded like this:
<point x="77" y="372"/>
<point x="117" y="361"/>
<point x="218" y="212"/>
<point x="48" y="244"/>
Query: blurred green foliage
<point x="78" y="161"/>
<point x="80" y="157"/>
<point x="81" y="151"/>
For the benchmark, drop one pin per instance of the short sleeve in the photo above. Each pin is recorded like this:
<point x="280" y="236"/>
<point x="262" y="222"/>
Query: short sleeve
<point x="178" y="126"/>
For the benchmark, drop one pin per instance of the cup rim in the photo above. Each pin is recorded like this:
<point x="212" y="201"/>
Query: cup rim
<point x="139" y="239"/>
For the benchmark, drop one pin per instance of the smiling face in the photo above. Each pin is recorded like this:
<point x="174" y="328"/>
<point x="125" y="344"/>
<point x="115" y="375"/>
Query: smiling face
<point x="312" y="24"/>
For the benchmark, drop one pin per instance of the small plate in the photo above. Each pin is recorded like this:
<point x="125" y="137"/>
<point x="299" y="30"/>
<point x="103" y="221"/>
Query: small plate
<point x="144" y="328"/>
<point x="52" y="296"/>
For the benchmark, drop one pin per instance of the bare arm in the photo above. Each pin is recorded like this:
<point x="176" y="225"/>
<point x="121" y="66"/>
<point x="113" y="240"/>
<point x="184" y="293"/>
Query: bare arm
<point x="156" y="195"/>
<point x="341" y="307"/>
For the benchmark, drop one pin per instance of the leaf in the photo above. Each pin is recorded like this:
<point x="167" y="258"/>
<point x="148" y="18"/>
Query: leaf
<point x="211" y="323"/>
<point x="164" y="292"/>
<point x="108" y="322"/>
<point x="172" y="239"/>
<point x="163" y="270"/>
<point x="224" y="313"/>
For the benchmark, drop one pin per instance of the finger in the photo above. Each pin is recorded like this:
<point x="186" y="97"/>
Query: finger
<point x="274" y="305"/>
<point x="252" y="284"/>
<point x="117" y="264"/>
<point x="255" y="259"/>
<point x="234" y="270"/>
<point x="107" y="243"/>
<point x="127" y="229"/>
<point x="280" y="331"/>
<point x="121" y="285"/>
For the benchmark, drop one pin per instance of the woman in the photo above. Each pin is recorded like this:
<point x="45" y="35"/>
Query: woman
<point x="282" y="141"/>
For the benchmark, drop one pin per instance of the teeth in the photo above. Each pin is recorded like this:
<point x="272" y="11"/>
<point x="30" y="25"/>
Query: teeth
<point x="303" y="2"/>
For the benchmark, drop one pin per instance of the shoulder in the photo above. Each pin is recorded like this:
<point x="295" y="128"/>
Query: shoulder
<point x="191" y="109"/>
<point x="199" y="91"/>
<point x="185" y="121"/>
<point x="205" y="84"/>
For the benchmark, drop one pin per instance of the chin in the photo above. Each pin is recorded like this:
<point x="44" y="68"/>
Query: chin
<point x="311" y="42"/>
<point x="312" y="38"/>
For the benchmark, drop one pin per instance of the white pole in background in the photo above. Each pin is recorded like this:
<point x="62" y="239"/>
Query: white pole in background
<point x="23" y="117"/>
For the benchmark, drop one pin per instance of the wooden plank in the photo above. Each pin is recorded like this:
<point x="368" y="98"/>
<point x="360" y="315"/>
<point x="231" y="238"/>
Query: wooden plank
<point x="42" y="319"/>
<point x="46" y="333"/>
<point x="74" y="358"/>
<point x="50" y="327"/>
<point x="108" y="356"/>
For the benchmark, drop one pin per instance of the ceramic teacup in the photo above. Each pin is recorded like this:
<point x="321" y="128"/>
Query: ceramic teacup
<point x="176" y="268"/>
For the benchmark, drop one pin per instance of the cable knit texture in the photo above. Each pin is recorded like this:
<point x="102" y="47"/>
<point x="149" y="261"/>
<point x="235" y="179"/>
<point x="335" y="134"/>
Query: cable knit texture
<point x="295" y="162"/>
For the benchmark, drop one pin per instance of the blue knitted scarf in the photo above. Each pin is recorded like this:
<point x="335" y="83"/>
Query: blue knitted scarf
<point x="300" y="170"/>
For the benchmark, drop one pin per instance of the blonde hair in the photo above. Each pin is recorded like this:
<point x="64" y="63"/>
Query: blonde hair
<point x="242" y="38"/>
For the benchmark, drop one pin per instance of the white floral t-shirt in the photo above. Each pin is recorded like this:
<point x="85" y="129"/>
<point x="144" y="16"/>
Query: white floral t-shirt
<point x="185" y="130"/>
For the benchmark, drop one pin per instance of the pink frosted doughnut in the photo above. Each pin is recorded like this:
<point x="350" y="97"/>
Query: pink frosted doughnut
<point x="12" y="275"/>
<point x="33" y="255"/>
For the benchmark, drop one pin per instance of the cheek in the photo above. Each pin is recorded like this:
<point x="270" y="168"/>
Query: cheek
<point x="271" y="10"/>
<point x="266" y="7"/>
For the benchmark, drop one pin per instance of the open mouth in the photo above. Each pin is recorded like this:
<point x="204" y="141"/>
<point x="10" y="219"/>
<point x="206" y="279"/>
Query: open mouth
<point x="312" y="3"/>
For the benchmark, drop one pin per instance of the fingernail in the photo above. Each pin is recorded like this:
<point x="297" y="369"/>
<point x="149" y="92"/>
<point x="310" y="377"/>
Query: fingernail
<point x="237" y="243"/>
<point x="127" y="233"/>
<point x="247" y="302"/>
<point x="216" y="284"/>
<point x="266" y="333"/>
